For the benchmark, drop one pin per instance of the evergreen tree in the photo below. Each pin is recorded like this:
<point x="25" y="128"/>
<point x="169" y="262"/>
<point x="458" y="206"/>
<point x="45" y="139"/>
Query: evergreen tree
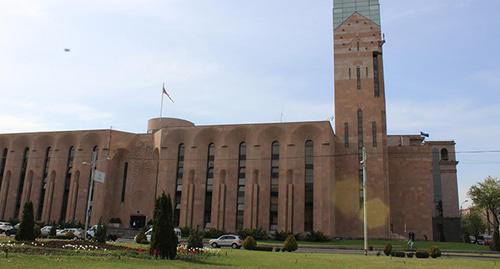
<point x="100" y="233"/>
<point x="27" y="227"/>
<point x="163" y="240"/>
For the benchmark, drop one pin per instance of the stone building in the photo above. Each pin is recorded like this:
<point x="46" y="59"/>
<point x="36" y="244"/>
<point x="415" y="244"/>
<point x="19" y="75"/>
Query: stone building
<point x="297" y="177"/>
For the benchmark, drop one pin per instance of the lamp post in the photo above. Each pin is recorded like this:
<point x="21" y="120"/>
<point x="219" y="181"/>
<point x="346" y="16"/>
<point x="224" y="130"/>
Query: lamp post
<point x="365" y="217"/>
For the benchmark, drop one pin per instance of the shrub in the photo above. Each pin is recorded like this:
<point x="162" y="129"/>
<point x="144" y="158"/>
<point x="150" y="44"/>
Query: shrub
<point x="141" y="237"/>
<point x="53" y="231"/>
<point x="258" y="234"/>
<point x="410" y="254"/>
<point x="281" y="236"/>
<point x="38" y="232"/>
<point x="290" y="244"/>
<point x="213" y="233"/>
<point x="27" y="227"/>
<point x="387" y="249"/>
<point x="422" y="254"/>
<point x="399" y="254"/>
<point x="100" y="233"/>
<point x="186" y="231"/>
<point x="195" y="240"/>
<point x="264" y="248"/>
<point x="434" y="252"/>
<point x="316" y="237"/>
<point x="249" y="243"/>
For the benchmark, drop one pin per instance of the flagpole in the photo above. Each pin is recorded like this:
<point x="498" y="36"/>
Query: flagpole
<point x="161" y="106"/>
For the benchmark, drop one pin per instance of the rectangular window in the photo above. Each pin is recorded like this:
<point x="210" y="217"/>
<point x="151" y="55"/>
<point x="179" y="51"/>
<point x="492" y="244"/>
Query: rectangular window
<point x="350" y="75"/>
<point x="374" y="134"/>
<point x="376" y="79"/>
<point x="358" y="77"/>
<point x="124" y="181"/>
<point x="346" y="134"/>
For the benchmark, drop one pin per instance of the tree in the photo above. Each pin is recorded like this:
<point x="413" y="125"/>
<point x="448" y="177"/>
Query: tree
<point x="163" y="240"/>
<point x="473" y="224"/>
<point x="27" y="227"/>
<point x="486" y="195"/>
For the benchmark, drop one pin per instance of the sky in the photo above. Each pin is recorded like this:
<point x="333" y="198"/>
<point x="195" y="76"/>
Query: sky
<point x="233" y="61"/>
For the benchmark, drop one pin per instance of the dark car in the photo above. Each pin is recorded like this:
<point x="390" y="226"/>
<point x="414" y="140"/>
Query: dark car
<point x="13" y="231"/>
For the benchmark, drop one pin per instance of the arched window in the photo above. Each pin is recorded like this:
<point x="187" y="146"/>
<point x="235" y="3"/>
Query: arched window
<point x="95" y="158"/>
<point x="76" y="180"/>
<point x="20" y="187"/>
<point x="178" y="184"/>
<point x="124" y="181"/>
<point x="240" y="201"/>
<point x="374" y="134"/>
<point x="45" y="180"/>
<point x="275" y="174"/>
<point x="67" y="180"/>
<point x="309" y="186"/>
<point x="209" y="185"/>
<point x="3" y="160"/>
<point x="444" y="154"/>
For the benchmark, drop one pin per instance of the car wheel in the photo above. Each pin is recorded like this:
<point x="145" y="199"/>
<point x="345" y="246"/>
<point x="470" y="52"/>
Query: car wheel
<point x="234" y="246"/>
<point x="214" y="245"/>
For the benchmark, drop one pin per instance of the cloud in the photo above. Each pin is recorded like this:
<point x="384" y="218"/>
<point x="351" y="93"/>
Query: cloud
<point x="14" y="124"/>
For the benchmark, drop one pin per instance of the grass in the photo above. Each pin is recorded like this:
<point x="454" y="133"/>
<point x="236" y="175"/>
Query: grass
<point x="379" y="244"/>
<point x="243" y="259"/>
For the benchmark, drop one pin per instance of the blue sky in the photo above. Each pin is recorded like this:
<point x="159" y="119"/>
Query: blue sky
<point x="247" y="61"/>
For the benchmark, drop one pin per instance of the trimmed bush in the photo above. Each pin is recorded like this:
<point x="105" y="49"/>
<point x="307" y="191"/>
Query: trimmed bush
<point x="264" y="248"/>
<point x="422" y="254"/>
<point x="434" y="252"/>
<point x="410" y="254"/>
<point x="53" y="231"/>
<point x="213" y="233"/>
<point x="387" y="249"/>
<point x="399" y="254"/>
<point x="141" y="237"/>
<point x="316" y="237"/>
<point x="27" y="227"/>
<point x="100" y="233"/>
<point x="249" y="243"/>
<point x="186" y="231"/>
<point x="290" y="244"/>
<point x="258" y="234"/>
<point x="195" y="240"/>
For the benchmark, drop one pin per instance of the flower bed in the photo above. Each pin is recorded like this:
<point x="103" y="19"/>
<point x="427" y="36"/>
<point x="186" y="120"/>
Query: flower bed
<point x="185" y="253"/>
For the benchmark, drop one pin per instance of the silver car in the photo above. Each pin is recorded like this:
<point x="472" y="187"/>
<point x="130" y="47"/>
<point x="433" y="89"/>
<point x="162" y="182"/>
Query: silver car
<point x="227" y="240"/>
<point x="5" y="226"/>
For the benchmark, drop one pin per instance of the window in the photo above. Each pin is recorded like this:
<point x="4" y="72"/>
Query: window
<point x="67" y="180"/>
<point x="240" y="201"/>
<point x="346" y="134"/>
<point x="124" y="181"/>
<point x="367" y="71"/>
<point x="360" y="154"/>
<point x="275" y="159"/>
<point x="95" y="157"/>
<point x="376" y="79"/>
<point x="358" y="77"/>
<point x="209" y="185"/>
<point x="3" y="160"/>
<point x="45" y="180"/>
<point x="444" y="155"/>
<point x="350" y="75"/>
<point x="309" y="187"/>
<point x="357" y="45"/>
<point x="21" y="181"/>
<point x="374" y="134"/>
<point x="178" y="184"/>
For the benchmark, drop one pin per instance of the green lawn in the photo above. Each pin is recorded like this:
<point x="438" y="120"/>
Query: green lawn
<point x="379" y="244"/>
<point x="244" y="259"/>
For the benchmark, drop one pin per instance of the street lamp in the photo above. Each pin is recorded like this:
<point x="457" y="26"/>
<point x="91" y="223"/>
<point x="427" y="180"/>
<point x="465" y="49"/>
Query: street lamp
<point x="365" y="224"/>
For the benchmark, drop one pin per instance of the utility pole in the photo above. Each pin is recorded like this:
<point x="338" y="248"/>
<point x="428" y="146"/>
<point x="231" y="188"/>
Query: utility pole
<point x="89" y="198"/>
<point x="365" y="223"/>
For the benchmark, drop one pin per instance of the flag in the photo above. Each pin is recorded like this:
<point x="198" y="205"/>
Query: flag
<point x="424" y="134"/>
<point x="166" y="93"/>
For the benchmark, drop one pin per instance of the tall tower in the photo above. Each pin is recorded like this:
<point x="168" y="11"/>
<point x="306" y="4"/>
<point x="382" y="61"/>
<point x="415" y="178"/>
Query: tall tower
<point x="360" y="117"/>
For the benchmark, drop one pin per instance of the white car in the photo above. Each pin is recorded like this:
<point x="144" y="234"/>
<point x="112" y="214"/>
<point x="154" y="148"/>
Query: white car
<point x="5" y="226"/>
<point x="150" y="232"/>
<point x="77" y="232"/>
<point x="45" y="230"/>
<point x="228" y="240"/>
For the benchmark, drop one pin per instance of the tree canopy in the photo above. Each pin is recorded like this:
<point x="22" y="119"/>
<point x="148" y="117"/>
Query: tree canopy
<point x="486" y="195"/>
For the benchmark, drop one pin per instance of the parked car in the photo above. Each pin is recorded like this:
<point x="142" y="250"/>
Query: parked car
<point x="150" y="232"/>
<point x="5" y="226"/>
<point x="77" y="232"/>
<point x="91" y="232"/>
<point x="228" y="240"/>
<point x="13" y="231"/>
<point x="45" y="231"/>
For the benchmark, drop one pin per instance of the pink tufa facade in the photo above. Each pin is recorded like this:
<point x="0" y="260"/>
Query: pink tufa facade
<point x="296" y="177"/>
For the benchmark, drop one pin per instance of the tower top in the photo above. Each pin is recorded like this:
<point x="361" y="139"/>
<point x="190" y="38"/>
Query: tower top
<point x="343" y="9"/>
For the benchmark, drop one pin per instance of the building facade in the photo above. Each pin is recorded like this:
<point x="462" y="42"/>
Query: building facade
<point x="296" y="177"/>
